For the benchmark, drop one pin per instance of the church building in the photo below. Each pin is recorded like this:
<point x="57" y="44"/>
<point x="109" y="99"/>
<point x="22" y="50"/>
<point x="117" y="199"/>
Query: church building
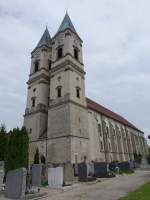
<point x="62" y="122"/>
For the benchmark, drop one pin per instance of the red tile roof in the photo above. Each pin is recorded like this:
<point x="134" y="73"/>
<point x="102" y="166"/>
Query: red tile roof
<point x="101" y="109"/>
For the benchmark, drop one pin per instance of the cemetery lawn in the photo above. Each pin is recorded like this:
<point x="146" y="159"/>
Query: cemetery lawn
<point x="142" y="193"/>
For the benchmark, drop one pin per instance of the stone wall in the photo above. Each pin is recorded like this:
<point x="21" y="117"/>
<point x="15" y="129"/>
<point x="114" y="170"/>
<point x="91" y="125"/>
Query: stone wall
<point x="111" y="140"/>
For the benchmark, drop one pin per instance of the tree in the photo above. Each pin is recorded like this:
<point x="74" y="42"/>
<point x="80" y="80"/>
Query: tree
<point x="36" y="157"/>
<point x="3" y="142"/>
<point x="13" y="151"/>
<point x="18" y="147"/>
<point x="25" y="147"/>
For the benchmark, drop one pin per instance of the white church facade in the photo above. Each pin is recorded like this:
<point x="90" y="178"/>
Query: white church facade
<point x="63" y="124"/>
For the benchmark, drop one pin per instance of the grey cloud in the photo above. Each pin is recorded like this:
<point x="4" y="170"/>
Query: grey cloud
<point x="116" y="52"/>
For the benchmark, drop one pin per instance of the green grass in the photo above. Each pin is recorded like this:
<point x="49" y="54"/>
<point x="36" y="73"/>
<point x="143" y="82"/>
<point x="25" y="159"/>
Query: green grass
<point x="123" y="171"/>
<point x="142" y="193"/>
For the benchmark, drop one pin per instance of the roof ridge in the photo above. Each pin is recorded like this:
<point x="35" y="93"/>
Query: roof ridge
<point x="99" y="108"/>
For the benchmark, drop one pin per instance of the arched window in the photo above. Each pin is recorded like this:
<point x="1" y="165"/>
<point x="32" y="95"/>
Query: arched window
<point x="76" y="53"/>
<point x="99" y="129"/>
<point x="48" y="99"/>
<point x="30" y="130"/>
<point x="107" y="131"/>
<point x="78" y="92"/>
<point x="101" y="145"/>
<point x="43" y="160"/>
<point x="59" y="91"/>
<point x="60" y="52"/>
<point x="33" y="101"/>
<point x="49" y="64"/>
<point x="36" y="66"/>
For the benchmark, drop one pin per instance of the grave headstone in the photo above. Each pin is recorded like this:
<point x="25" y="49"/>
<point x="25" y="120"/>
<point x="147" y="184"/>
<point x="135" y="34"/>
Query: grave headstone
<point x="124" y="165"/>
<point x="90" y="169"/>
<point x="2" y="173"/>
<point x="133" y="165"/>
<point x="16" y="184"/>
<point x="55" y="177"/>
<point x="82" y="172"/>
<point x="36" y="173"/>
<point x="100" y="169"/>
<point x="112" y="166"/>
<point x="144" y="164"/>
<point x="76" y="169"/>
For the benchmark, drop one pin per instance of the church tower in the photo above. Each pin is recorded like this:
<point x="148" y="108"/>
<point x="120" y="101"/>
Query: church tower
<point x="67" y="113"/>
<point x="56" y="111"/>
<point x="36" y="113"/>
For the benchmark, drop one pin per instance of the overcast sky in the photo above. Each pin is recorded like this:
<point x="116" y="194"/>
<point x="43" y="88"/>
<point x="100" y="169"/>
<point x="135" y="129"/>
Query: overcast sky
<point x="116" y="36"/>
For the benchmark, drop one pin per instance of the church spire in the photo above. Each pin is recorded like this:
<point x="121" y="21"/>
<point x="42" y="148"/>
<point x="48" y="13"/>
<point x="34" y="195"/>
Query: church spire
<point x="45" y="39"/>
<point x="66" y="23"/>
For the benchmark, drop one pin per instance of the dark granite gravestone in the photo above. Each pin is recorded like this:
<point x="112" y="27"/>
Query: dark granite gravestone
<point x="16" y="184"/>
<point x="2" y="173"/>
<point x="36" y="173"/>
<point x="133" y="165"/>
<point x="76" y="169"/>
<point x="82" y="172"/>
<point x="100" y="169"/>
<point x="124" y="165"/>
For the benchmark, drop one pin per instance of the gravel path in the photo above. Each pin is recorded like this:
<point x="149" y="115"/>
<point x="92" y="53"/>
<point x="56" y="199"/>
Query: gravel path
<point x="110" y="189"/>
